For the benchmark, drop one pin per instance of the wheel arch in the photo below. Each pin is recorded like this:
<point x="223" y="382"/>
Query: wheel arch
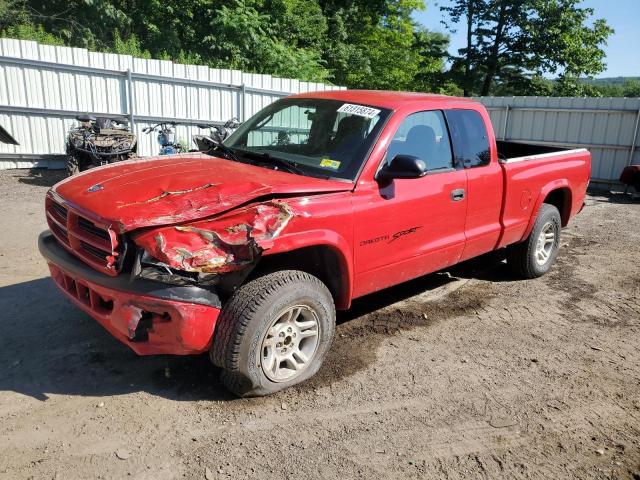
<point x="330" y="261"/>
<point x="561" y="198"/>
<point x="557" y="193"/>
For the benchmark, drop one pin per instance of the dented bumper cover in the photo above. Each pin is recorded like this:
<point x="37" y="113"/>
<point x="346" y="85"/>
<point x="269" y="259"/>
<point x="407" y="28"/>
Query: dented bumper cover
<point x="149" y="317"/>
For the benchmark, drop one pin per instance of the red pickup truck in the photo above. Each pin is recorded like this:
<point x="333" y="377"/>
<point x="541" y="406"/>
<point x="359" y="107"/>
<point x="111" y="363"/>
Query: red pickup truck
<point x="247" y="251"/>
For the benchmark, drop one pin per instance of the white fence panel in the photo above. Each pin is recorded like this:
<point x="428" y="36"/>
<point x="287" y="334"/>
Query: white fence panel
<point x="43" y="88"/>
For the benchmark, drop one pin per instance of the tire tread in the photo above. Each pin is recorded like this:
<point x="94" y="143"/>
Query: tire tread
<point x="239" y="311"/>
<point x="519" y="255"/>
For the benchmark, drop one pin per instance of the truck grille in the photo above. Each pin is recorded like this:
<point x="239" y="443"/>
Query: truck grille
<point x="98" y="303"/>
<point x="97" y="245"/>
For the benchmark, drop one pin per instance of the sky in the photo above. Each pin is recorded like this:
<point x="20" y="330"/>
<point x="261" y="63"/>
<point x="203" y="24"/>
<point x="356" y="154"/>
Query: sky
<point x="623" y="49"/>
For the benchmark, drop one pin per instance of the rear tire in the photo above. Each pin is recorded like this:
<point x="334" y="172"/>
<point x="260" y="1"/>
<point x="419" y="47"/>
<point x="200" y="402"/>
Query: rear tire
<point x="535" y="256"/>
<point x="273" y="333"/>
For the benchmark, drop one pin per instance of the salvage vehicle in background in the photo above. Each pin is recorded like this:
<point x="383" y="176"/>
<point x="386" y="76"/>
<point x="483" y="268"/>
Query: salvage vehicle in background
<point x="166" y="138"/>
<point x="217" y="134"/>
<point x="99" y="141"/>
<point x="320" y="198"/>
<point x="630" y="178"/>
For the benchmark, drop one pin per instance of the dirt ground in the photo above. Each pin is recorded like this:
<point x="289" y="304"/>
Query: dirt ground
<point x="461" y="375"/>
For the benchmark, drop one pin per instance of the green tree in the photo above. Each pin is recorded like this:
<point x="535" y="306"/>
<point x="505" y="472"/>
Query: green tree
<point x="358" y="43"/>
<point x="379" y="45"/>
<point x="16" y="22"/>
<point x="344" y="51"/>
<point x="618" y="87"/>
<point x="245" y="37"/>
<point x="631" y="88"/>
<point x="79" y="23"/>
<point x="388" y="45"/>
<point x="12" y="13"/>
<point x="510" y="39"/>
<point x="431" y="76"/>
<point x="570" y="86"/>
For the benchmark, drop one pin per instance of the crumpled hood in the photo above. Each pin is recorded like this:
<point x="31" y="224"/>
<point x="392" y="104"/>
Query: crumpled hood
<point x="172" y="189"/>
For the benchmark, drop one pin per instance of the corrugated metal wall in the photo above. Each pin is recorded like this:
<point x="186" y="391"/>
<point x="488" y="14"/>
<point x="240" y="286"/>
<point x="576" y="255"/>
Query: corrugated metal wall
<point x="608" y="127"/>
<point x="43" y="88"/>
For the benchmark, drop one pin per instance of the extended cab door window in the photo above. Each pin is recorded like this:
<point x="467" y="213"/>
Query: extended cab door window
<point x="484" y="181"/>
<point x="470" y="138"/>
<point x="424" y="135"/>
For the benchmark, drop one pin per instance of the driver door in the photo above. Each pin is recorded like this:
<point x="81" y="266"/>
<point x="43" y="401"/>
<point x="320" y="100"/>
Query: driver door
<point x="411" y="227"/>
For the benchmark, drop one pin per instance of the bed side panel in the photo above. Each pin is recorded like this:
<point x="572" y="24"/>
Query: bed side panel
<point x="529" y="181"/>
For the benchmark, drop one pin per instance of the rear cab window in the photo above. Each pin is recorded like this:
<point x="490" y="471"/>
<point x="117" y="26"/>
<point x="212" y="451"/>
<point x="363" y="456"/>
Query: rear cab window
<point x="470" y="138"/>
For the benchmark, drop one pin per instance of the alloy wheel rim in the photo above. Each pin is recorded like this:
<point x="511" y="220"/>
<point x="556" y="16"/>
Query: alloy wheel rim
<point x="290" y="343"/>
<point x="545" y="243"/>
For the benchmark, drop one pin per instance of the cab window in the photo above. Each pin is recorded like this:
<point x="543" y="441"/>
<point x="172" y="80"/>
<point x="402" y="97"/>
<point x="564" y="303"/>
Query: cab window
<point x="470" y="138"/>
<point x="423" y="135"/>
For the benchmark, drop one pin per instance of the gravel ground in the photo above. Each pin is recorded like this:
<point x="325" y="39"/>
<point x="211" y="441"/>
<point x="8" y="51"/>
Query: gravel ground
<point x="466" y="374"/>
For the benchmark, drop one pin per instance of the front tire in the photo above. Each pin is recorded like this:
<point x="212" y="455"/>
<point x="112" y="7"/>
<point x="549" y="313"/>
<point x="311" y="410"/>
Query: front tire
<point x="273" y="333"/>
<point x="73" y="165"/>
<point x="535" y="256"/>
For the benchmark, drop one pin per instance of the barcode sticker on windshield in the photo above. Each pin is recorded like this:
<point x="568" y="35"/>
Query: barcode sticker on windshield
<point x="359" y="110"/>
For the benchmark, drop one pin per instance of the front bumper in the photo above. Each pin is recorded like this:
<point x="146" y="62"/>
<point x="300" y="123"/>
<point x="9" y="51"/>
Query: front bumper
<point x="149" y="317"/>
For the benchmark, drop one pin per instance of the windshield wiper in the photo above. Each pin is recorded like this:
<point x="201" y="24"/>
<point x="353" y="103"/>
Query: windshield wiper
<point x="276" y="161"/>
<point x="226" y="151"/>
<point x="289" y="166"/>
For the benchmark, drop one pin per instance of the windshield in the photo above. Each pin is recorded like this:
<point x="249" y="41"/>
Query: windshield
<point x="310" y="136"/>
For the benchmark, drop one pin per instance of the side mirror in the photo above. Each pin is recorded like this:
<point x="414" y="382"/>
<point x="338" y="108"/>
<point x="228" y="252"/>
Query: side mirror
<point x="402" y="166"/>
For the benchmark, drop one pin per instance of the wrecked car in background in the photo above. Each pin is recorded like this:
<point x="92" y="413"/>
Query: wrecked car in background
<point x="246" y="251"/>
<point x="218" y="133"/>
<point x="99" y="141"/>
<point x="630" y="178"/>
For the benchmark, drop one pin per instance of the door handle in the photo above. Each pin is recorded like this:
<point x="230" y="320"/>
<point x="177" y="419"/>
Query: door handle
<point x="457" y="194"/>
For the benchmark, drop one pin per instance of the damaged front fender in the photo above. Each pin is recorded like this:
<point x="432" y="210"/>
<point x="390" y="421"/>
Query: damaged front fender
<point x="224" y="244"/>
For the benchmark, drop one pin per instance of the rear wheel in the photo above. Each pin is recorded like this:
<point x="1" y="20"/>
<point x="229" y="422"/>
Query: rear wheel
<point x="535" y="256"/>
<point x="273" y="333"/>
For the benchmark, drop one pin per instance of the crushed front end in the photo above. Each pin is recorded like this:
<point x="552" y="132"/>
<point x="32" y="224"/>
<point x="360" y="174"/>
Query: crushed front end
<point x="159" y="290"/>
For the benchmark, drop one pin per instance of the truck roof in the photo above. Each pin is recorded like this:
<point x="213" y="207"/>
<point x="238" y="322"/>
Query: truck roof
<point x="384" y="98"/>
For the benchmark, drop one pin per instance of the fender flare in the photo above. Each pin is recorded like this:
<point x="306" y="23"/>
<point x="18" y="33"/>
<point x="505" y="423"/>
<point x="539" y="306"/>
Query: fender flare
<point x="561" y="183"/>
<point x="322" y="238"/>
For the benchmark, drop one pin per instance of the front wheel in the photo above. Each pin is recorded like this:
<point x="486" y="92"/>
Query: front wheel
<point x="73" y="165"/>
<point x="535" y="256"/>
<point x="273" y="333"/>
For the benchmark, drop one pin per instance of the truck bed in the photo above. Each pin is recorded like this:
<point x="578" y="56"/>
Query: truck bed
<point x="509" y="152"/>
<point x="530" y="173"/>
